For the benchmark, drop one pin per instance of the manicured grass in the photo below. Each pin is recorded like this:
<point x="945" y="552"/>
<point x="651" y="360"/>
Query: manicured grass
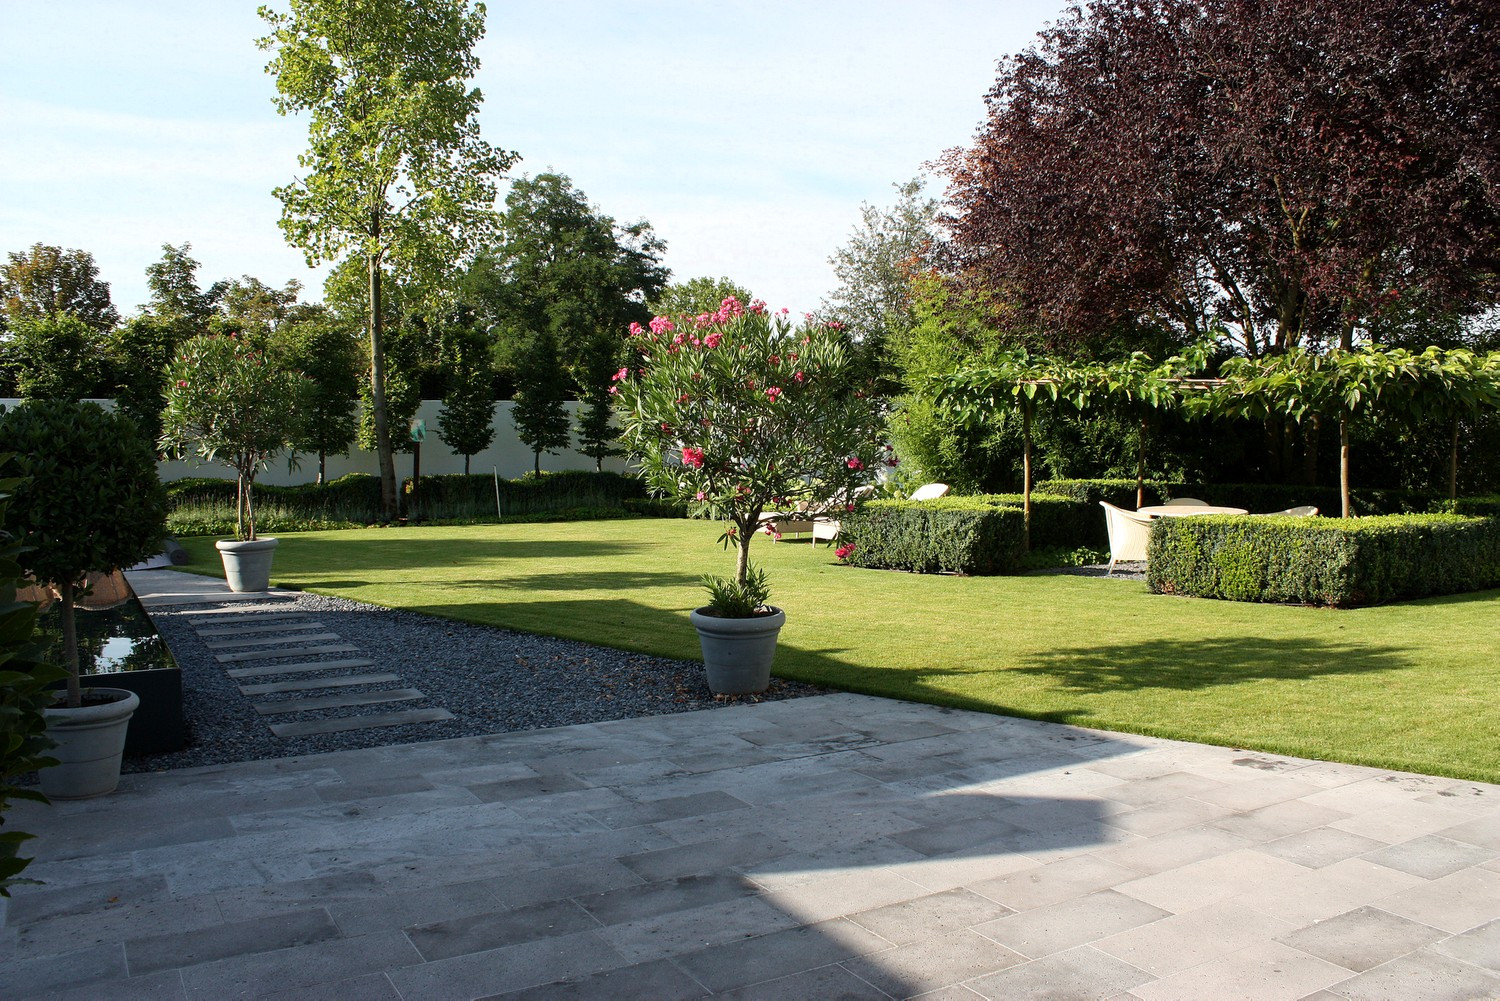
<point x="1409" y="686"/>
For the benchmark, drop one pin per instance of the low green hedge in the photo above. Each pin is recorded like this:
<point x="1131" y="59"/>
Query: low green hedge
<point x="1323" y="561"/>
<point x="950" y="535"/>
<point x="1261" y="498"/>
<point x="206" y="506"/>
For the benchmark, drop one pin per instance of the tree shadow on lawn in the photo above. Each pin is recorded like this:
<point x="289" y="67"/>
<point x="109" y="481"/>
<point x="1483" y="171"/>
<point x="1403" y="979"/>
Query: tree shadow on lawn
<point x="365" y="552"/>
<point x="569" y="580"/>
<point x="1187" y="665"/>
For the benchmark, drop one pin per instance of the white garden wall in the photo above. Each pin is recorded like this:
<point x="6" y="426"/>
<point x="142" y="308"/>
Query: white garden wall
<point x="506" y="454"/>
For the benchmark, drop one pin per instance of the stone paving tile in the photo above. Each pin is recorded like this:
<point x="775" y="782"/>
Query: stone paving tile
<point x="707" y="856"/>
<point x="1483" y="831"/>
<point x="1432" y="856"/>
<point x="934" y="916"/>
<point x="293" y="895"/>
<point x="1172" y="815"/>
<point x="1186" y="940"/>
<point x="658" y="980"/>
<point x="525" y="788"/>
<point x="669" y="808"/>
<point x="1423" y="974"/>
<point x="1271" y="823"/>
<point x="1478" y="946"/>
<point x="1053" y="882"/>
<point x="781" y="953"/>
<point x="1174" y="849"/>
<point x="345" y="792"/>
<point x="947" y="872"/>
<point x="1197" y="884"/>
<point x="1267" y="971"/>
<point x="1161" y="788"/>
<point x="1401" y="823"/>
<point x="1065" y="976"/>
<point x="153" y="953"/>
<point x="497" y="971"/>
<point x="33" y="977"/>
<point x="678" y="932"/>
<point x="1320" y="847"/>
<point x="1257" y="793"/>
<point x="1318" y="894"/>
<point x="1362" y="938"/>
<point x="164" y="986"/>
<point x="1453" y="903"/>
<point x="488" y="930"/>
<point x="842" y="895"/>
<point x="428" y="905"/>
<point x="541" y="885"/>
<point x="647" y="900"/>
<point x="46" y="903"/>
<point x="370" y="987"/>
<point x="1043" y="931"/>
<point x="934" y="963"/>
<point x="828" y="983"/>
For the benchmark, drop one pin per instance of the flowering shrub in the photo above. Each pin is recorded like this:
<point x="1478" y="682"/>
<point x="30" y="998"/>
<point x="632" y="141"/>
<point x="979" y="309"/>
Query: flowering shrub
<point x="740" y="411"/>
<point x="227" y="404"/>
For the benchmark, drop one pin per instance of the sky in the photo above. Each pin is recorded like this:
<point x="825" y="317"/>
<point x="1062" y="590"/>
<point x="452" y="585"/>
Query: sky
<point x="747" y="133"/>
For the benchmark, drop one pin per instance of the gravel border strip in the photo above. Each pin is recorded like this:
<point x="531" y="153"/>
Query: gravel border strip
<point x="492" y="680"/>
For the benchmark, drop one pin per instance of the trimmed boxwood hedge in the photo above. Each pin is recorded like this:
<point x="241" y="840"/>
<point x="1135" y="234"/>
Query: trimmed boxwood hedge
<point x="1260" y="498"/>
<point x="206" y="506"/>
<point x="1323" y="561"/>
<point x="950" y="535"/>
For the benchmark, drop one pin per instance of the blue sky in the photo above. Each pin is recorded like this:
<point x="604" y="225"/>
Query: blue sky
<point x="748" y="134"/>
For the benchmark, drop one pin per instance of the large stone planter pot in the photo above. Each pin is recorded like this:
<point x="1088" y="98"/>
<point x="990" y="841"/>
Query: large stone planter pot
<point x="738" y="652"/>
<point x="247" y="565"/>
<point x="90" y="741"/>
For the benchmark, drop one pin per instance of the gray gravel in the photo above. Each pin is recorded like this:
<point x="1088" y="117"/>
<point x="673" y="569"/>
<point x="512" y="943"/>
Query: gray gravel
<point x="492" y="680"/>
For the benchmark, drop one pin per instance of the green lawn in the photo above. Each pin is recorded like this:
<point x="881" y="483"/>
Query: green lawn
<point x="1410" y="686"/>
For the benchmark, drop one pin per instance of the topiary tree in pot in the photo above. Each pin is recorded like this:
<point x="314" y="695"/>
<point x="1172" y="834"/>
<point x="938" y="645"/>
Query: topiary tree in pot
<point x="227" y="403"/>
<point x="92" y="502"/>
<point x="24" y="692"/>
<point x="736" y="412"/>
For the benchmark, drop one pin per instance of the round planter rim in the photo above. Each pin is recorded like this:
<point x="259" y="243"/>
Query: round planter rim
<point x="125" y="703"/>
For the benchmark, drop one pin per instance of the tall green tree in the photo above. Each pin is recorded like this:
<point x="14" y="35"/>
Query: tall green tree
<point x="541" y="389"/>
<point x="46" y="282"/>
<point x="139" y="351"/>
<point x="55" y="358"/>
<point x="467" y="420"/>
<point x="596" y="428"/>
<point x="396" y="172"/>
<point x="566" y="267"/>
<point x="175" y="292"/>
<point x="257" y="310"/>
<point x="696" y="296"/>
<point x="328" y="352"/>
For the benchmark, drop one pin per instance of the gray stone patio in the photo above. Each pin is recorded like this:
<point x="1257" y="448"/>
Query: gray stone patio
<point x="831" y="847"/>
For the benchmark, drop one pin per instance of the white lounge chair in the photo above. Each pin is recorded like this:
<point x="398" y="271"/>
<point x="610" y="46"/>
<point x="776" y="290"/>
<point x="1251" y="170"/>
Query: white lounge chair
<point x="929" y="491"/>
<point x="1305" y="511"/>
<point x="1185" y="502"/>
<point x="1128" y="532"/>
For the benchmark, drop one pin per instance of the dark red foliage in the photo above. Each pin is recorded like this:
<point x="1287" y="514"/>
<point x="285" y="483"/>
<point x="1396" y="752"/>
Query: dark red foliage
<point x="1287" y="169"/>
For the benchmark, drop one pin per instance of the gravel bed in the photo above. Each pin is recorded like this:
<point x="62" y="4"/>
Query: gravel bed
<point x="492" y="680"/>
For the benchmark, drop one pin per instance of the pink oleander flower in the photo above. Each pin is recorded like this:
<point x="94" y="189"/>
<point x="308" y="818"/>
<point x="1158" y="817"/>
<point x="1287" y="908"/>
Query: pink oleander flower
<point x="614" y="390"/>
<point x="683" y="398"/>
<point x="636" y="330"/>
<point x="699" y="495"/>
<point x="848" y="507"/>
<point x="842" y="552"/>
<point x="893" y="462"/>
<point x="773" y="392"/>
<point x="799" y="377"/>
<point x="854" y="463"/>
<point x="662" y="325"/>
<point x="692" y="457"/>
<point x="712" y="340"/>
<point x="622" y="374"/>
<point x="181" y="383"/>
<point x="774" y="359"/>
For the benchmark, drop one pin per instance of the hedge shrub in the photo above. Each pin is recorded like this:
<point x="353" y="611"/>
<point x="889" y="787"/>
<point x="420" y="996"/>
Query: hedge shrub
<point x="206" y="506"/>
<point x="1323" y="561"/>
<point x="1257" y="498"/>
<point x="950" y="535"/>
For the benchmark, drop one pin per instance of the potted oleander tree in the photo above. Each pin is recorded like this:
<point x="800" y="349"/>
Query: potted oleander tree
<point x="91" y="502"/>
<point x="736" y="413"/>
<point x="227" y="403"/>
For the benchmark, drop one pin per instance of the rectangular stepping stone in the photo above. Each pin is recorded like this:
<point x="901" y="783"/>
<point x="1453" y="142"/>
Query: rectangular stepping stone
<point x="304" y="728"/>
<point x="300" y="668"/>
<point x="274" y="687"/>
<point x="291" y="651"/>
<point x="338" y="701"/>
<point x="290" y="625"/>
<point x="271" y="641"/>
<point x="204" y="615"/>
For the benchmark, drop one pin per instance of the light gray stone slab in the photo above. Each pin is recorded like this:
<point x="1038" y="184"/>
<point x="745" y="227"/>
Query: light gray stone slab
<point x="288" y="624"/>
<point x="1432" y="856"/>
<point x="300" y="668"/>
<point x="657" y="979"/>
<point x="1423" y="974"/>
<point x="1363" y="938"/>
<point x="1479" y="946"/>
<point x="1042" y="931"/>
<point x="281" y="639"/>
<point x="1077" y="973"/>
<point x="779" y="954"/>
<point x="299" y="967"/>
<point x="170" y="951"/>
<point x="302" y="728"/>
<point x="283" y="652"/>
<point x="345" y="701"/>
<point x="312" y="684"/>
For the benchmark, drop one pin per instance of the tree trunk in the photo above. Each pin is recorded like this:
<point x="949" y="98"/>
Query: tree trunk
<point x="1344" y="465"/>
<point x="70" y="644"/>
<point x="377" y="385"/>
<point x="466" y="465"/>
<point x="742" y="555"/>
<point x="1453" y="464"/>
<point x="536" y="465"/>
<point x="1026" y="409"/>
<point x="249" y="509"/>
<point x="322" y="466"/>
<point x="239" y="505"/>
<point x="1140" y="469"/>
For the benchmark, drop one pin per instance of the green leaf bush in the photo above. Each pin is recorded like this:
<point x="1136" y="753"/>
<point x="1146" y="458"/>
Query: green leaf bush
<point x="1323" y="561"/>
<point x="1257" y="498"/>
<point x="970" y="535"/>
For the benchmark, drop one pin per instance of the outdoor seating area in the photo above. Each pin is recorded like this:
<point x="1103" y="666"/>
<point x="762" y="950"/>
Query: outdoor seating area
<point x="1129" y="531"/>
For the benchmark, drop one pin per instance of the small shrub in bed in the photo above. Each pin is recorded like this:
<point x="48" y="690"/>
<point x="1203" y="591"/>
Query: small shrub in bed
<point x="951" y="535"/>
<point x="1323" y="561"/>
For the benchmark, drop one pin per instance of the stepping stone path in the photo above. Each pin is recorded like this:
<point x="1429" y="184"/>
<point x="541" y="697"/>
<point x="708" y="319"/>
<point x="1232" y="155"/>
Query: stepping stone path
<point x="309" y="685"/>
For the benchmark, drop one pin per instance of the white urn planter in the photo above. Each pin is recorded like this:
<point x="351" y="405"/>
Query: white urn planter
<point x="737" y="653"/>
<point x="90" y="742"/>
<point x="247" y="564"/>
